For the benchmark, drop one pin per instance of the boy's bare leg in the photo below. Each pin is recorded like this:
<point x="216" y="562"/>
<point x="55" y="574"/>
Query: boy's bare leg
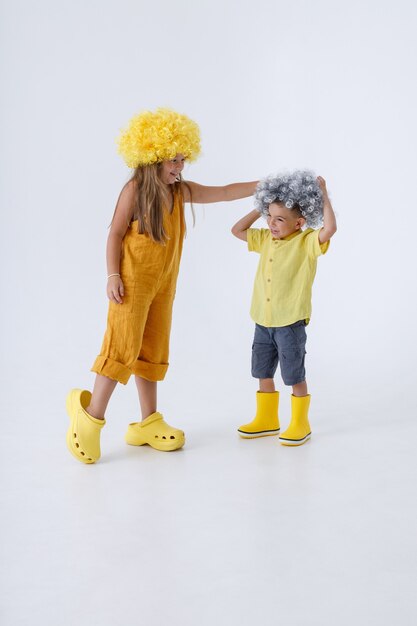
<point x="103" y="389"/>
<point x="147" y="390"/>
<point x="300" y="389"/>
<point x="266" y="385"/>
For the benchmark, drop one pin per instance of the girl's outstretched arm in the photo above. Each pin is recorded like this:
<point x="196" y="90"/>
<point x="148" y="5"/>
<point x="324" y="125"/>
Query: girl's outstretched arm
<point x="329" y="218"/>
<point x="240" y="228"/>
<point x="193" y="192"/>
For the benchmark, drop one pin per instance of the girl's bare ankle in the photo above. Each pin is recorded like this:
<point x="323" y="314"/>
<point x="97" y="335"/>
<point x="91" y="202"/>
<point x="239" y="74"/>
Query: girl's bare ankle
<point x="92" y="413"/>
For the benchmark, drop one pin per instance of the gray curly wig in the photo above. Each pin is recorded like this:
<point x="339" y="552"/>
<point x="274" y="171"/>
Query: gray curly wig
<point x="295" y="190"/>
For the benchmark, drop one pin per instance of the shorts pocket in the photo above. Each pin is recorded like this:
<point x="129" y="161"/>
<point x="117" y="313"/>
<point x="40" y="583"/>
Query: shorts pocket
<point x="261" y="336"/>
<point x="299" y="334"/>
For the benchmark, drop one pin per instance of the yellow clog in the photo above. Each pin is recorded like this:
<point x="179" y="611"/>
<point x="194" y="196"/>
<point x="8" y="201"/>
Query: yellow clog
<point x="155" y="432"/>
<point x="83" y="436"/>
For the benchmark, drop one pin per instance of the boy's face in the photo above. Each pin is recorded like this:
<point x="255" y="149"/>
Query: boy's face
<point x="282" y="221"/>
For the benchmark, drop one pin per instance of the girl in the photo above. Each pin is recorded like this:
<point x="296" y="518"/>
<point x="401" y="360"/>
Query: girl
<point x="143" y="255"/>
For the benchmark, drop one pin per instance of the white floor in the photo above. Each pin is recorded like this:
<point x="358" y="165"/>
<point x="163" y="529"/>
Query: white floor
<point x="225" y="531"/>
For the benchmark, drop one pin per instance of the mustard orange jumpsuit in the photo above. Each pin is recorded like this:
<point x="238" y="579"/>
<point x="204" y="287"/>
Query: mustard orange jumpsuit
<point x="137" y="335"/>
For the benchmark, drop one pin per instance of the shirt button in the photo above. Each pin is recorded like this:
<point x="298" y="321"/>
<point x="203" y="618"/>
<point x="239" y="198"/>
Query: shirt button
<point x="269" y="280"/>
<point x="268" y="299"/>
<point x="271" y="259"/>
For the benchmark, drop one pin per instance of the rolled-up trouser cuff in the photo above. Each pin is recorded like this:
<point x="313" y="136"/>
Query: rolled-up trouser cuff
<point x="112" y="369"/>
<point x="150" y="371"/>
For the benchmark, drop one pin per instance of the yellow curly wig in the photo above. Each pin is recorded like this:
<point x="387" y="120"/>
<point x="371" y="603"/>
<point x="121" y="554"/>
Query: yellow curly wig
<point x="158" y="136"/>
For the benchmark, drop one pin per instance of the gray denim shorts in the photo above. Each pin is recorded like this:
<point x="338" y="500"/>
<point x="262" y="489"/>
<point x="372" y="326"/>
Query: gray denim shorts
<point x="283" y="344"/>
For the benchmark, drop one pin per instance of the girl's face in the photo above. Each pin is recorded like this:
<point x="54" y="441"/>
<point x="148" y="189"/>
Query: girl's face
<point x="282" y="221"/>
<point x="171" y="169"/>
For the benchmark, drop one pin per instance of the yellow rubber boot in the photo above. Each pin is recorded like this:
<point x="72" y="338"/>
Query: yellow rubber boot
<point x="83" y="436"/>
<point x="155" y="432"/>
<point x="266" y="422"/>
<point x="299" y="431"/>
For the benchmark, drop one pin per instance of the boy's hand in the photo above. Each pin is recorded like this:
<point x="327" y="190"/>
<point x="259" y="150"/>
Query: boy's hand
<point x="115" y="289"/>
<point x="322" y="185"/>
<point x="329" y="220"/>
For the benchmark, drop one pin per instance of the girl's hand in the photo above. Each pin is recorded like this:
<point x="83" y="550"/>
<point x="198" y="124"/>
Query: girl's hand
<point x="115" y="289"/>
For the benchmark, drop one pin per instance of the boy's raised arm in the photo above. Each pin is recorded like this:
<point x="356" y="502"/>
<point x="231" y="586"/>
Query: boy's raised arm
<point x="240" y="228"/>
<point x="329" y="218"/>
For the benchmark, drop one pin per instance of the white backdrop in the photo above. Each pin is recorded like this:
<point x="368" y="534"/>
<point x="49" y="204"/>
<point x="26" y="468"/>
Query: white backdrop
<point x="273" y="85"/>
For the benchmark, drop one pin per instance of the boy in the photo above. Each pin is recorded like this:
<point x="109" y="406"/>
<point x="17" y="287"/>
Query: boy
<point x="281" y="302"/>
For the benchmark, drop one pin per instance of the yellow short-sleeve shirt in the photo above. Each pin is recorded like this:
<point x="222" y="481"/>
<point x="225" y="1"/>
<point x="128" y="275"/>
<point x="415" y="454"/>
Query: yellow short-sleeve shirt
<point x="285" y="275"/>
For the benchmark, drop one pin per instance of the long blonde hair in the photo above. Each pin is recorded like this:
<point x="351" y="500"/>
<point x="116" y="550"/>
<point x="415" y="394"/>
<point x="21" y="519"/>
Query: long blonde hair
<point x="152" y="199"/>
